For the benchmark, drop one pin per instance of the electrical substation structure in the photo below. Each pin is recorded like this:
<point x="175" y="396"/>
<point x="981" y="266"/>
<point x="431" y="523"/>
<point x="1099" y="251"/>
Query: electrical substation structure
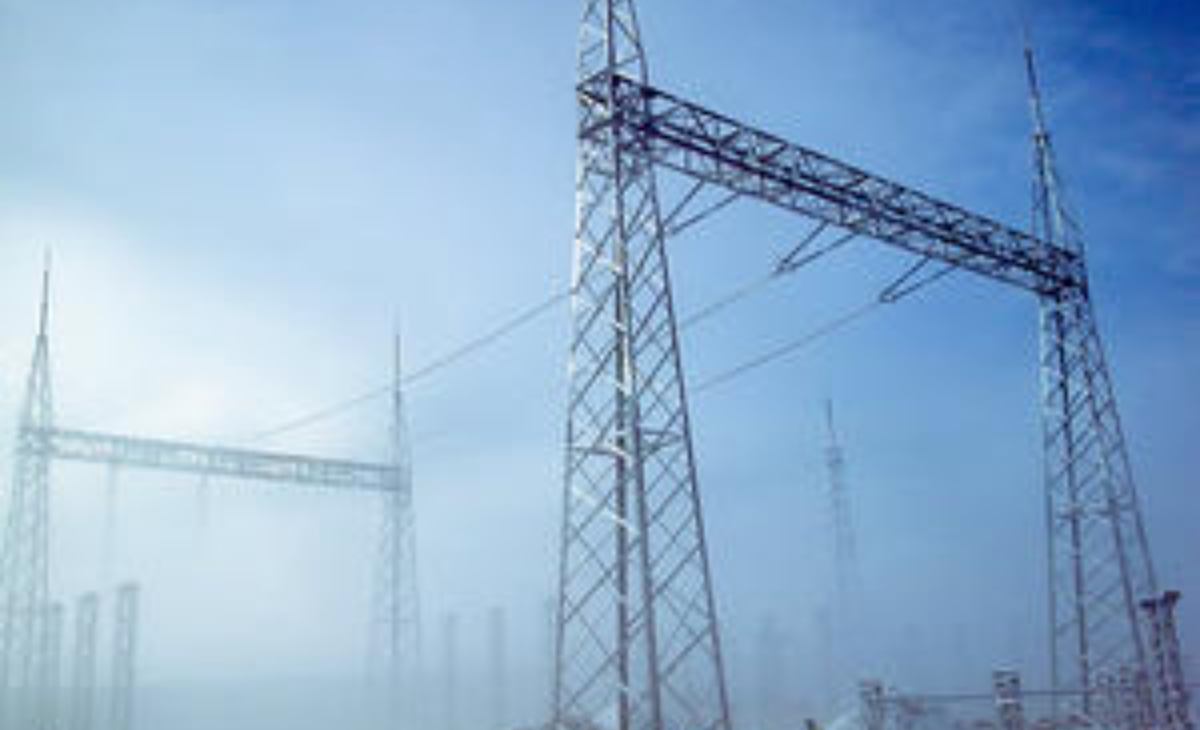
<point x="28" y="663"/>
<point x="638" y="640"/>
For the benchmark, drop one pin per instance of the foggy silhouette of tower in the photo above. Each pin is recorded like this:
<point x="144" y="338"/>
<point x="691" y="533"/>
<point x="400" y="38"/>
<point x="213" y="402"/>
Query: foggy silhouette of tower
<point x="394" y="652"/>
<point x="83" y="666"/>
<point x="846" y="624"/>
<point x="24" y="550"/>
<point x="1099" y="558"/>
<point x="124" y="658"/>
<point x="847" y="575"/>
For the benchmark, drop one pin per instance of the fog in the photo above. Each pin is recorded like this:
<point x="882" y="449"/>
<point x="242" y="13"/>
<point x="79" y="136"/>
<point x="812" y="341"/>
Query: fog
<point x="245" y="201"/>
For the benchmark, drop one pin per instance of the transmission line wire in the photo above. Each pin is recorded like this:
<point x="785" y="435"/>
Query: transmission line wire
<point x="470" y="347"/>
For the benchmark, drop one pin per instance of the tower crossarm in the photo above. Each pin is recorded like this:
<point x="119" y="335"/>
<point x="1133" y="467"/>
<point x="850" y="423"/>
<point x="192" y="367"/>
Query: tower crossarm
<point x="715" y="149"/>
<point x="177" y="456"/>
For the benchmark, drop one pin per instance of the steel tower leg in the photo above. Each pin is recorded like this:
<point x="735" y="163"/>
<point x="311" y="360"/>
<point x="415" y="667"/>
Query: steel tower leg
<point x="24" y="552"/>
<point x="1173" y="697"/>
<point x="638" y="644"/>
<point x="1099" y="558"/>
<point x="395" y="642"/>
<point x="83" y="669"/>
<point x="124" y="672"/>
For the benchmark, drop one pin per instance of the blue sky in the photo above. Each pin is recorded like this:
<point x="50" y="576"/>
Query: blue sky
<point x="242" y="196"/>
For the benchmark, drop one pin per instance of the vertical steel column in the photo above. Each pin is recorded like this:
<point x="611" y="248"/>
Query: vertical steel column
<point x="638" y="644"/>
<point x="83" y="669"/>
<point x="50" y="662"/>
<point x="450" y="672"/>
<point x="124" y="667"/>
<point x="24" y="552"/>
<point x="498" y="666"/>
<point x="1099" y="559"/>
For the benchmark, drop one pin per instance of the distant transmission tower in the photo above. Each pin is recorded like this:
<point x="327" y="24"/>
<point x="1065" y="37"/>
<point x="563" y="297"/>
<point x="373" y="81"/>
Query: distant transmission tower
<point x="395" y="642"/>
<point x="1100" y="566"/>
<point x="848" y="601"/>
<point x="638" y="644"/>
<point x="24" y="552"/>
<point x="124" y="659"/>
<point x="83" y="669"/>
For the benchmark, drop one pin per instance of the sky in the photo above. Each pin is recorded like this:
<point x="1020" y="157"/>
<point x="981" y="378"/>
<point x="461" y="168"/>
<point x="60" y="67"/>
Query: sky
<point x="244" y="198"/>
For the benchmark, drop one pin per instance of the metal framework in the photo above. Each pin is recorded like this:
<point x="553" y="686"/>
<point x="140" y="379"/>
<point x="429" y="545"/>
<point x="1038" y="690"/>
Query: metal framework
<point x="637" y="623"/>
<point x="1174" y="699"/>
<point x="124" y="659"/>
<point x="24" y="552"/>
<point x="83" y="668"/>
<point x="24" y="545"/>
<point x="181" y="457"/>
<point x="1010" y="704"/>
<point x="1098" y="553"/>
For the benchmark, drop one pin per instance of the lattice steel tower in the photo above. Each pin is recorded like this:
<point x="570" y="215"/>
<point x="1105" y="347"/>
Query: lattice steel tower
<point x="1099" y="558"/>
<point x="24" y="552"/>
<point x="395" y="641"/>
<point x="638" y="645"/>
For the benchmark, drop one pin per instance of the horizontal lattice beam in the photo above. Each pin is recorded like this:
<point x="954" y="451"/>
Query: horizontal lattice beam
<point x="715" y="149"/>
<point x="176" y="456"/>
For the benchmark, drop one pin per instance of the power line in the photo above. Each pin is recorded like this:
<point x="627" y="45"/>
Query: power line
<point x="826" y="329"/>
<point x="505" y="328"/>
<point x="785" y="267"/>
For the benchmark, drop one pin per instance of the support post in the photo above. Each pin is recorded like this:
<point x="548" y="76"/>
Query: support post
<point x="124" y="666"/>
<point x="83" y="669"/>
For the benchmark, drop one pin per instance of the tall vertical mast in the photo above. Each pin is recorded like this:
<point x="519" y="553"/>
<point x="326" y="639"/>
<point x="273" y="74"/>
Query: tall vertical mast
<point x="396" y="622"/>
<point x="1099" y="559"/>
<point x="638" y="644"/>
<point x="846" y="625"/>
<point x="845" y="544"/>
<point x="24" y="550"/>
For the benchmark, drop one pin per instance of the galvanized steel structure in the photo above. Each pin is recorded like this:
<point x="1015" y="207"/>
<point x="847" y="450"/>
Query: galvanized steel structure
<point x="638" y="640"/>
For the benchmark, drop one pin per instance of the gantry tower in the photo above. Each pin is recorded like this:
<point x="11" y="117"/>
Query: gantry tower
<point x="25" y="652"/>
<point x="1099" y="557"/>
<point x="637" y="624"/>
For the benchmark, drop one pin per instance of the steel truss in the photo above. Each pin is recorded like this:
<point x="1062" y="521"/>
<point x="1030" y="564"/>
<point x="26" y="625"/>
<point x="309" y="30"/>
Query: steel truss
<point x="28" y="658"/>
<point x="638" y="642"/>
